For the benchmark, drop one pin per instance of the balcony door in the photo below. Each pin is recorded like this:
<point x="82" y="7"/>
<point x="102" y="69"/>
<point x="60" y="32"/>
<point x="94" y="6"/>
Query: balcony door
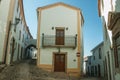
<point x="59" y="36"/>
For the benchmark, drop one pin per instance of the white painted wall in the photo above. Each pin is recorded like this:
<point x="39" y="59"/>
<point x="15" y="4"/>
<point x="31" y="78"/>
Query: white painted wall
<point x="97" y="60"/>
<point x="15" y="34"/>
<point x="4" y="9"/>
<point x="71" y="55"/>
<point x="108" y="42"/>
<point x="58" y="17"/>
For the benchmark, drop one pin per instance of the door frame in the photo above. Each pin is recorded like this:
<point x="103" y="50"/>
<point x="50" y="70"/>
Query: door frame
<point x="54" y="53"/>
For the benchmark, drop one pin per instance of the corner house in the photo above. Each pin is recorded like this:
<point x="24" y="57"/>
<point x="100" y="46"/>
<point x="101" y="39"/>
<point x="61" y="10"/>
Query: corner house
<point x="59" y="39"/>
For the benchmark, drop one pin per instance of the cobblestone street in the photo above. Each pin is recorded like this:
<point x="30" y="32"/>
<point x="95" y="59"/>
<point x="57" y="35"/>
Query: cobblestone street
<point x="26" y="70"/>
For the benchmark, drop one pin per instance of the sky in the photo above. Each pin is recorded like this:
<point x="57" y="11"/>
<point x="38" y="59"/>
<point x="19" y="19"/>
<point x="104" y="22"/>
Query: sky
<point x="92" y="31"/>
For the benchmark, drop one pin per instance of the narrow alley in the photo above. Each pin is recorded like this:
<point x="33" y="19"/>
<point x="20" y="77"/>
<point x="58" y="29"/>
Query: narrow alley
<point x="26" y="70"/>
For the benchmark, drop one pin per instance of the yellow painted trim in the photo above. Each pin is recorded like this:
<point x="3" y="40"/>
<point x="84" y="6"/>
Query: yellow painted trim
<point x="59" y="27"/>
<point x="38" y="38"/>
<point x="22" y="15"/>
<point x="73" y="72"/>
<point x="9" y="18"/>
<point x="78" y="39"/>
<point x="46" y="67"/>
<point x="58" y="4"/>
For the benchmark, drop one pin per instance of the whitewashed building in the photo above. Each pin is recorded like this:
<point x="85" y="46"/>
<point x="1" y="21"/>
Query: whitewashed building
<point x="98" y="60"/>
<point x="60" y="39"/>
<point x="88" y="65"/>
<point x="105" y="8"/>
<point x="13" y="31"/>
<point x="95" y="62"/>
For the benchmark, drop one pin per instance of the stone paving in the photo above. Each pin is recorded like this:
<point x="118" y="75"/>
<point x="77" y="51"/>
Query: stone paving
<point x="26" y="70"/>
<point x="91" y="78"/>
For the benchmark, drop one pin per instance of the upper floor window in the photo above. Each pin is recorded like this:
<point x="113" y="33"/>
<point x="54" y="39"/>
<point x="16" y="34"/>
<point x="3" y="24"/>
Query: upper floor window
<point x="17" y="7"/>
<point x="93" y="55"/>
<point x="99" y="53"/>
<point x="23" y="38"/>
<point x="19" y="35"/>
<point x="59" y="36"/>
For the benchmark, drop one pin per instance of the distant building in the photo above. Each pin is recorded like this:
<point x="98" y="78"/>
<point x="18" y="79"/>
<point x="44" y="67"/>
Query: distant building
<point x="98" y="60"/>
<point x="60" y="39"/>
<point x="13" y="31"/>
<point x="95" y="62"/>
<point x="88" y="65"/>
<point x="109" y="12"/>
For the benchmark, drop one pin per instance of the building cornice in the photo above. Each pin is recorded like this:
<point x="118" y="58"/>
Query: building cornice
<point x="113" y="17"/>
<point x="97" y="46"/>
<point x="58" y="4"/>
<point x="23" y="17"/>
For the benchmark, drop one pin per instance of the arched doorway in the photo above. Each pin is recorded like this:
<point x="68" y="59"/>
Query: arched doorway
<point x="27" y="51"/>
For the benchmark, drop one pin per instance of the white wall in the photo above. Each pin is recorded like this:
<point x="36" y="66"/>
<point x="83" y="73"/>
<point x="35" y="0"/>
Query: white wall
<point x="48" y="53"/>
<point x="58" y="17"/>
<point x="4" y="9"/>
<point x="97" y="60"/>
<point x="107" y="42"/>
<point x="15" y="34"/>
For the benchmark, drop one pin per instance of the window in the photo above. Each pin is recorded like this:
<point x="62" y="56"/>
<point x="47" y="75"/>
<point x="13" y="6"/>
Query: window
<point x="99" y="53"/>
<point x="117" y="49"/>
<point x="17" y="7"/>
<point x="19" y="35"/>
<point x="93" y="55"/>
<point x="23" y="38"/>
<point x="89" y="60"/>
<point x="106" y="34"/>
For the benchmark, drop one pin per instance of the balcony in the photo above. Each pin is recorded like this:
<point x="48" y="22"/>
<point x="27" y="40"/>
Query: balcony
<point x="52" y="41"/>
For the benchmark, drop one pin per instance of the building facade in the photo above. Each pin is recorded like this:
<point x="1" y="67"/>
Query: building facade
<point x="59" y="39"/>
<point x="14" y="31"/>
<point x="95" y="62"/>
<point x="108" y="8"/>
<point x="88" y="65"/>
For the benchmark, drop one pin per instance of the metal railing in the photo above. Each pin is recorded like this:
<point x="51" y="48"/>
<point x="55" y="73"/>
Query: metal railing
<point x="50" y="41"/>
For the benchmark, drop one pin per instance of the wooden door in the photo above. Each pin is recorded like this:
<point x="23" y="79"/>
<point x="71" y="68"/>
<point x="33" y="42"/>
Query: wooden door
<point x="59" y="63"/>
<point x="59" y="36"/>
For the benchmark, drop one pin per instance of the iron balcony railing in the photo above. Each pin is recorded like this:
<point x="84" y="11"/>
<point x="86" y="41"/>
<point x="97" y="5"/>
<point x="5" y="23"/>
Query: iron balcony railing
<point x="50" y="41"/>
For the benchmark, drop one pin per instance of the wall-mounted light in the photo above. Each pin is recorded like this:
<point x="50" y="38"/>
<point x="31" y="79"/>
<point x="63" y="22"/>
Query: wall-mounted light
<point x="17" y="20"/>
<point x="66" y="28"/>
<point x="52" y="28"/>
